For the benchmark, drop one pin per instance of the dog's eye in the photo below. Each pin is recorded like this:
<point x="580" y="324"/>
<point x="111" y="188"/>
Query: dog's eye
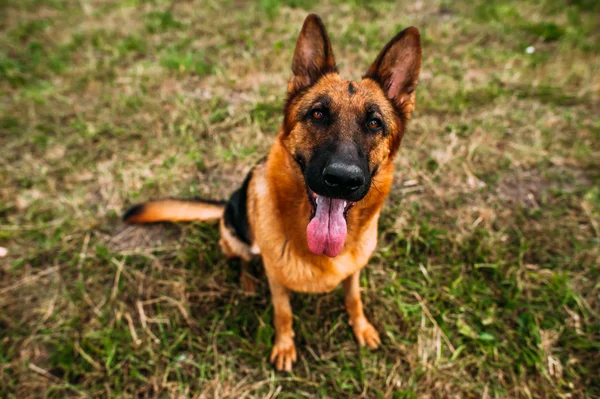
<point x="374" y="124"/>
<point x="317" y="114"/>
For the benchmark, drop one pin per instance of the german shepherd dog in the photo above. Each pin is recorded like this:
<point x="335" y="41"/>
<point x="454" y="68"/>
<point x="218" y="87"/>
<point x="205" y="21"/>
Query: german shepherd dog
<point x="310" y="209"/>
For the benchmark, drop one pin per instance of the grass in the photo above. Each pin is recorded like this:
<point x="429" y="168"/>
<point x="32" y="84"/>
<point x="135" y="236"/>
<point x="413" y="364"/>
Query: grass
<point x="485" y="281"/>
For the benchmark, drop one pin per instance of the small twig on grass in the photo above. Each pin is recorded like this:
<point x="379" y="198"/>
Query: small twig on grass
<point x="87" y="357"/>
<point x="26" y="227"/>
<point x="134" y="336"/>
<point x="430" y="317"/>
<point x="143" y="319"/>
<point x="43" y="320"/>
<point x="29" y="279"/>
<point x="115" y="288"/>
<point x="172" y="301"/>
<point x="43" y="373"/>
<point x="53" y="378"/>
<point x="82" y="256"/>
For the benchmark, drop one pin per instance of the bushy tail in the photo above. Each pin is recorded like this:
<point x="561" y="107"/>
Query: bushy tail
<point x="174" y="211"/>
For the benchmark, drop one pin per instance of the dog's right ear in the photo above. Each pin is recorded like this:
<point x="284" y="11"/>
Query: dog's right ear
<point x="313" y="56"/>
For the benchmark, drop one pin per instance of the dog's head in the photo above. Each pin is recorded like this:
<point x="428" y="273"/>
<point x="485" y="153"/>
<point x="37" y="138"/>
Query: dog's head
<point x="340" y="132"/>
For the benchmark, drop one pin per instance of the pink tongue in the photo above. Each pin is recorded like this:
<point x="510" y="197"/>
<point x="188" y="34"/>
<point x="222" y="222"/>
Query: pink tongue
<point x="326" y="232"/>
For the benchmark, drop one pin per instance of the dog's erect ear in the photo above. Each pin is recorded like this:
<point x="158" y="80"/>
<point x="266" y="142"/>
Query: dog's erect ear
<point x="313" y="56"/>
<point x="397" y="68"/>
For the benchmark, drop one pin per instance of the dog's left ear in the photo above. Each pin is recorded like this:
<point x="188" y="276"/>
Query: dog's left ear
<point x="313" y="56"/>
<point x="397" y="68"/>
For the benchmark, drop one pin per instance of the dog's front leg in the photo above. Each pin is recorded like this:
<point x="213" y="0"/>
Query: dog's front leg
<point x="284" y="350"/>
<point x="364" y="331"/>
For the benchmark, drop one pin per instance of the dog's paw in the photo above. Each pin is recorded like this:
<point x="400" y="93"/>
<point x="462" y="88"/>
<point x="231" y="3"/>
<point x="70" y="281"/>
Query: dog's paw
<point x="283" y="354"/>
<point x="366" y="334"/>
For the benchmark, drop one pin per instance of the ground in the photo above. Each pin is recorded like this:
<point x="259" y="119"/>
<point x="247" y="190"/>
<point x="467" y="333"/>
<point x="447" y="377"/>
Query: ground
<point x="485" y="282"/>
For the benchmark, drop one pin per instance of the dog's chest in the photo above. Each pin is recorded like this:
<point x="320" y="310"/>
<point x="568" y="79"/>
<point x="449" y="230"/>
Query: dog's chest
<point x="318" y="277"/>
<point x="325" y="274"/>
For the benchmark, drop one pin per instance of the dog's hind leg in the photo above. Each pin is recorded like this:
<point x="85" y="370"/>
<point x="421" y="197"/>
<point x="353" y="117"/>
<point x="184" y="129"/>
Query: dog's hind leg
<point x="233" y="247"/>
<point x="248" y="281"/>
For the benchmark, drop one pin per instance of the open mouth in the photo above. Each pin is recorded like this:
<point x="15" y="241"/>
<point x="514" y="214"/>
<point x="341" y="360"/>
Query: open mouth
<point x="326" y="231"/>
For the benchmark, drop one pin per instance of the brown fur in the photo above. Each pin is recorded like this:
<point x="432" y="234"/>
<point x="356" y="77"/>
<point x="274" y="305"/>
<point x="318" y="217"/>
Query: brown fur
<point x="277" y="204"/>
<point x="174" y="211"/>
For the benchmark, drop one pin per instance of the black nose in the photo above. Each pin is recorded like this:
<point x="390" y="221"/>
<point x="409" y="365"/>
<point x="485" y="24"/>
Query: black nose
<point x="343" y="178"/>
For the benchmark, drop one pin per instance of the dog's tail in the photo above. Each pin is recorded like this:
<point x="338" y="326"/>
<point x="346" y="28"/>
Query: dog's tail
<point x="172" y="210"/>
